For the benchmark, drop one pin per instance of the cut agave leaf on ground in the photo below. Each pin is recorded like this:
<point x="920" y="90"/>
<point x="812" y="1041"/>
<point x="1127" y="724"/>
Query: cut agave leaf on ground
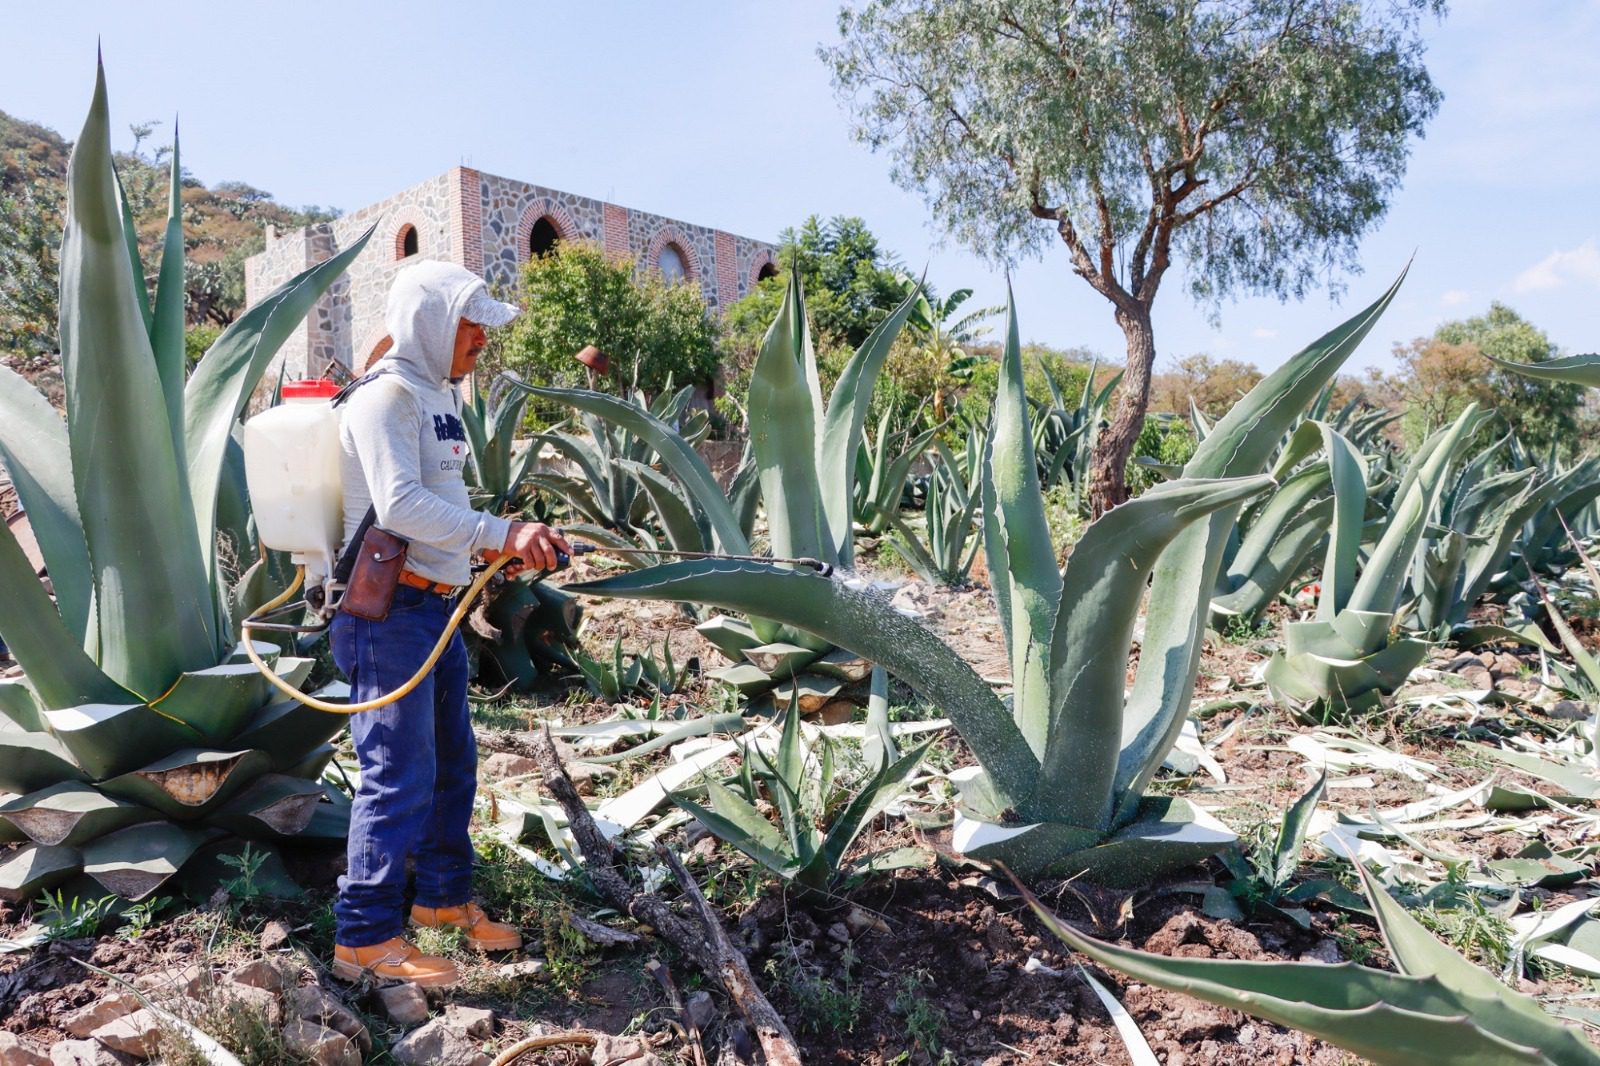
<point x="72" y="813"/>
<point x="33" y="868"/>
<point x="1572" y="779"/>
<point x="134" y="862"/>
<point x="190" y="783"/>
<point x="1138" y="1047"/>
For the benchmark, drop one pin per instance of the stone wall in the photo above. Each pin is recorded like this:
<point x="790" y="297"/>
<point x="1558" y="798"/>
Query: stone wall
<point x="483" y="222"/>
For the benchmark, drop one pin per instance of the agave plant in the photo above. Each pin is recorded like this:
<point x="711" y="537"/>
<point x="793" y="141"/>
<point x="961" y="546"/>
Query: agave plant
<point x="1059" y="785"/>
<point x="1437" y="1010"/>
<point x="883" y="471"/>
<point x="946" y="554"/>
<point x="497" y="469"/>
<point x="139" y="734"/>
<point x="803" y="454"/>
<point x="1346" y="658"/>
<point x="818" y="818"/>
<point x="1064" y="434"/>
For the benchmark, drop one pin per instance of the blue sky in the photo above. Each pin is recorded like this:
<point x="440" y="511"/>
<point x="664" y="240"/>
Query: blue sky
<point x="721" y="114"/>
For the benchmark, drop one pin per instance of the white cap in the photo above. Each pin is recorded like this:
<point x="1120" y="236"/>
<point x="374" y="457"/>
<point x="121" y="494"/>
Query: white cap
<point x="485" y="310"/>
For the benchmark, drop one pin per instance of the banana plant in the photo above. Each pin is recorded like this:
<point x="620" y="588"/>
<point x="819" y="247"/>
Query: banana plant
<point x="946" y="554"/>
<point x="140" y="736"/>
<point x="1059" y="785"/>
<point x="818" y="817"/>
<point x="804" y="454"/>
<point x="1438" y="1009"/>
<point x="1346" y="660"/>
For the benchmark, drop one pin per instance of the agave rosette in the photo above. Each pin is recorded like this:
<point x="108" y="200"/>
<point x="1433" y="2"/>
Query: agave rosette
<point x="140" y="734"/>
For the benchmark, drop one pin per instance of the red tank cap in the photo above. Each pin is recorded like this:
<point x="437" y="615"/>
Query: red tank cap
<point x="310" y="389"/>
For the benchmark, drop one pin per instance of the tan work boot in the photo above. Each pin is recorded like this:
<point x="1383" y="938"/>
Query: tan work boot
<point x="482" y="934"/>
<point x="397" y="959"/>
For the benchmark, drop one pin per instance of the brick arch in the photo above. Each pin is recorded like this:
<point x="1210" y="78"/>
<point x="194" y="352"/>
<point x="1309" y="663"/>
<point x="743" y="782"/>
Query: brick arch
<point x="763" y="259"/>
<point x="544" y="207"/>
<point x="409" y="217"/>
<point x="670" y="234"/>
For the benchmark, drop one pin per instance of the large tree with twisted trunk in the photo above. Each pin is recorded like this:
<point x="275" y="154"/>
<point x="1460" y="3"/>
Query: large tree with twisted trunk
<point x="1255" y="140"/>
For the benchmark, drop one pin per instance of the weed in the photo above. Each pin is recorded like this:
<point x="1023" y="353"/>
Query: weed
<point x="924" y="1022"/>
<point x="63" y="919"/>
<point x="139" y="917"/>
<point x="1354" y="941"/>
<point x="244" y="889"/>
<point x="243" y="1028"/>
<point x="1472" y="929"/>
<point x="822" y="1005"/>
<point x="1239" y="629"/>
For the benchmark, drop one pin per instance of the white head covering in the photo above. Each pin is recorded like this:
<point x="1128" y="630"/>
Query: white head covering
<point x="427" y="302"/>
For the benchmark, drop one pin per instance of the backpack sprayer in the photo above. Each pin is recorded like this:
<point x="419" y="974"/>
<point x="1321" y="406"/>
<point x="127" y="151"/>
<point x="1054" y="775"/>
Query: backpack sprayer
<point x="291" y="464"/>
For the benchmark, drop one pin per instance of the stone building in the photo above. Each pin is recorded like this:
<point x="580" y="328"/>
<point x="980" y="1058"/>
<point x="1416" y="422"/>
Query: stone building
<point x="490" y="225"/>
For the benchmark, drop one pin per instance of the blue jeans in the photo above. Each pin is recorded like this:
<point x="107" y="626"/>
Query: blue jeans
<point x="419" y="768"/>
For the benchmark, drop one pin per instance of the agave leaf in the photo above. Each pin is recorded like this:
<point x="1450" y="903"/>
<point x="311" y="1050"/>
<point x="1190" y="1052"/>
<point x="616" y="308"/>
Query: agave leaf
<point x="735" y="822"/>
<point x="1349" y="477"/>
<point x="34" y="868"/>
<point x="274" y="806"/>
<point x="18" y="703"/>
<point x="677" y="518"/>
<point x="684" y="462"/>
<point x="189" y="783"/>
<point x="38" y="458"/>
<point x="1284" y="560"/>
<point x="30" y="761"/>
<point x="885" y="786"/>
<point x="1390" y="1019"/>
<point x="845" y="418"/>
<point x="1571" y="779"/>
<point x="859" y="622"/>
<point x="215" y="702"/>
<point x="1099" y="604"/>
<point x="224" y="378"/>
<point x="107" y="738"/>
<point x="1022" y="560"/>
<point x="785" y="420"/>
<point x="1574" y="369"/>
<point x="134" y="862"/>
<point x="1240" y="444"/>
<point x="1292" y="832"/>
<point x="58" y="670"/>
<point x="71" y="813"/>
<point x="166" y="328"/>
<point x="147" y="555"/>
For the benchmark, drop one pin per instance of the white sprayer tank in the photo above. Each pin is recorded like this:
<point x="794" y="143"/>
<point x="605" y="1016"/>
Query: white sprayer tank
<point x="291" y="462"/>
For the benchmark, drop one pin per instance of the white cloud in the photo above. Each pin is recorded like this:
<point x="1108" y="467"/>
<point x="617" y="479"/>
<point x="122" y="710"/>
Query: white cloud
<point x="1261" y="333"/>
<point x="1455" y="297"/>
<point x="1580" y="265"/>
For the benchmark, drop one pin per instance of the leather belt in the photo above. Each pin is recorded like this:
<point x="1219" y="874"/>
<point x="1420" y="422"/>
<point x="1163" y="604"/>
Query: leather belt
<point x="417" y="581"/>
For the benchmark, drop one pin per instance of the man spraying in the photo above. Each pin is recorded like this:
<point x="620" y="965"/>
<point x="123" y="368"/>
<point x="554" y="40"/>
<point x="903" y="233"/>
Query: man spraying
<point x="404" y="449"/>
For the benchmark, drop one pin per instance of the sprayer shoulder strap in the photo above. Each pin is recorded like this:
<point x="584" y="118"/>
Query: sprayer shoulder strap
<point x="347" y="560"/>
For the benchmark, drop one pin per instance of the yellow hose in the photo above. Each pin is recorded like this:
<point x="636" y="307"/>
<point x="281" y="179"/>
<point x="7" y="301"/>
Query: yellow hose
<point x="382" y="701"/>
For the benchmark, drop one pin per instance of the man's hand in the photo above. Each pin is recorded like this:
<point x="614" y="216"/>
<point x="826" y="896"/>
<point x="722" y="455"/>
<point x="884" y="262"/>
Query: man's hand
<point x="534" y="544"/>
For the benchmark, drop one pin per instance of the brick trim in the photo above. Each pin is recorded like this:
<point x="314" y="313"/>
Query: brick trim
<point x="727" y="269"/>
<point x="409" y="216"/>
<point x="671" y="234"/>
<point x="614" y="230"/>
<point x="466" y="218"/>
<point x="544" y="207"/>
<point x="763" y="258"/>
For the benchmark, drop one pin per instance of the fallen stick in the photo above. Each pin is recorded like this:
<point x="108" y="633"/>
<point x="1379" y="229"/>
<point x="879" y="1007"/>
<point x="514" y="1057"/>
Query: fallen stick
<point x="703" y="941"/>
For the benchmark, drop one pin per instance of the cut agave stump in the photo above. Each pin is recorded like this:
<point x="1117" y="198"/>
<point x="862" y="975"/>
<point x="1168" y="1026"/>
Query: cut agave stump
<point x="140" y="740"/>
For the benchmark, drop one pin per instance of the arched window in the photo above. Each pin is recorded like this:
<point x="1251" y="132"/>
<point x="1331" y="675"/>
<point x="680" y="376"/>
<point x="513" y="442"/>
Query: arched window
<point x="542" y="240"/>
<point x="405" y="242"/>
<point x="768" y="269"/>
<point x="672" y="263"/>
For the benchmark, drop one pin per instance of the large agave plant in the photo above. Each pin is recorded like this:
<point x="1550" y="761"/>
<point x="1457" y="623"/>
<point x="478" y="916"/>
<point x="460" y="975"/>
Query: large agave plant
<point x="1061" y="774"/>
<point x="139" y="734"/>
<point x="1346" y="658"/>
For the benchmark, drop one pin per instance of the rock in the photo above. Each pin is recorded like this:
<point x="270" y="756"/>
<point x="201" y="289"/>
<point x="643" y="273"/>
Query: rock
<point x="1477" y="675"/>
<point x="316" y="1005"/>
<point x="274" y="935"/>
<point x="1569" y="709"/>
<point x="185" y="982"/>
<point x="136" y="1034"/>
<point x="436" y="1044"/>
<point x="252" y="1000"/>
<point x="505" y="764"/>
<point x="405" y="1004"/>
<point x="700" y="1010"/>
<point x="474" y="1022"/>
<point x="321" y="1045"/>
<point x="839" y="932"/>
<point x="269" y="974"/>
<point x="13" y="1052"/>
<point x="86" y="1053"/>
<point x="1507" y="665"/>
<point x="525" y="968"/>
<point x="620" y="1050"/>
<point x="1326" y="951"/>
<point x="85" y="1020"/>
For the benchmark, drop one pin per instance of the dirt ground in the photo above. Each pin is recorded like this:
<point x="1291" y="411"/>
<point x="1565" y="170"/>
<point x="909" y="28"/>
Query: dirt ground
<point x="937" y="964"/>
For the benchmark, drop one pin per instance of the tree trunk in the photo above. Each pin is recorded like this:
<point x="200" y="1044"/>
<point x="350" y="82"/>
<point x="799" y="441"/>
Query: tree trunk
<point x="1107" y="486"/>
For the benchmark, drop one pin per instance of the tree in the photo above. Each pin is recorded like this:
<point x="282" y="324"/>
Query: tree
<point x="1441" y="374"/>
<point x="1256" y="140"/>
<point x="1212" y="385"/>
<point x="578" y="295"/>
